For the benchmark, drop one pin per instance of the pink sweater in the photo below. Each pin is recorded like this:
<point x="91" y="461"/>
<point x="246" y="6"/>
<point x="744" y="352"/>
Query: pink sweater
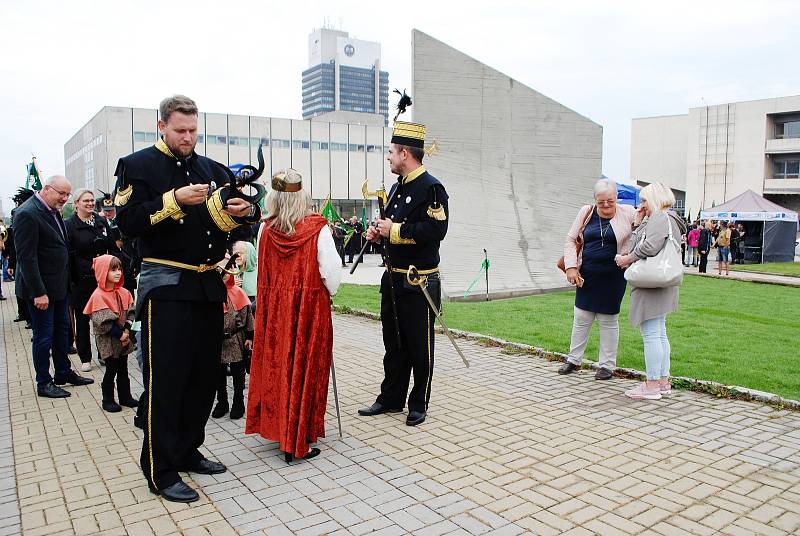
<point x="621" y="224"/>
<point x="693" y="237"/>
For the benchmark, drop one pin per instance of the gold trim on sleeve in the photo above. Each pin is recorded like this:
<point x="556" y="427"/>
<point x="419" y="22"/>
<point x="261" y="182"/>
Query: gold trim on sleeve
<point x="216" y="210"/>
<point x="123" y="195"/>
<point x="171" y="209"/>
<point x="395" y="238"/>
<point x="437" y="213"/>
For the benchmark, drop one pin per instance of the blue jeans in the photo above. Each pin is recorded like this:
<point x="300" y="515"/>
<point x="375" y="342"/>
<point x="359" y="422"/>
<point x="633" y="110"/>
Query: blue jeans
<point x="723" y="254"/>
<point x="656" y="347"/>
<point x="50" y="332"/>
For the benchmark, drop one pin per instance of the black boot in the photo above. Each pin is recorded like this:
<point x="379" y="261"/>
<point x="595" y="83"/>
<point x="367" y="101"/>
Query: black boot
<point x="237" y="408"/>
<point x="124" y="385"/>
<point x="222" y="393"/>
<point x="109" y="404"/>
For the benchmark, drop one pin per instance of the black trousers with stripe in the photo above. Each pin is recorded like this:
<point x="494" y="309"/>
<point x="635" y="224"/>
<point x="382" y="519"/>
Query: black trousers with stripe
<point x="181" y="346"/>
<point x="415" y="356"/>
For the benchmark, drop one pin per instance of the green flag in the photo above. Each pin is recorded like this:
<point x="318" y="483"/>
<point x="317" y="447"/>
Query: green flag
<point x="364" y="217"/>
<point x="329" y="211"/>
<point x="33" y="172"/>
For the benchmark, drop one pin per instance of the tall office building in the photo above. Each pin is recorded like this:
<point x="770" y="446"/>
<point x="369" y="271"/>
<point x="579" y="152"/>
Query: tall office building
<point x="344" y="75"/>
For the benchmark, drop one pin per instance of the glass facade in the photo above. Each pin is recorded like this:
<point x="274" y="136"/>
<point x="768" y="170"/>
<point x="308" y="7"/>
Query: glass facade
<point x="356" y="90"/>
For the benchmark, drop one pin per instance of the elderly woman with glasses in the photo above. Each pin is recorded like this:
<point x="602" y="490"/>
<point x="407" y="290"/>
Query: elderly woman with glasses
<point x="89" y="236"/>
<point x="603" y="228"/>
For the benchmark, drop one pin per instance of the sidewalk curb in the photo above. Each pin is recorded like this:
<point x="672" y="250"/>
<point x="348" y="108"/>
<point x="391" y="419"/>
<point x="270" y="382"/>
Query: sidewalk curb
<point x="692" y="384"/>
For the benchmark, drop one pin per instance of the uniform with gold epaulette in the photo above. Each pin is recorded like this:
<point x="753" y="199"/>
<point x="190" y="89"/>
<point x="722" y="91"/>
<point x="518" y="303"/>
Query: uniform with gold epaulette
<point x="179" y="300"/>
<point x="417" y="204"/>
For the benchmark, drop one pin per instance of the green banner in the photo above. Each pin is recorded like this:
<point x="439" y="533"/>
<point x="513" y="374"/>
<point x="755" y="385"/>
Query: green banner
<point x="329" y="212"/>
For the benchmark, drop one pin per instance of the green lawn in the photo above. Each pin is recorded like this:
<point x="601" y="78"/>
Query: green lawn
<point x="782" y="268"/>
<point x="732" y="332"/>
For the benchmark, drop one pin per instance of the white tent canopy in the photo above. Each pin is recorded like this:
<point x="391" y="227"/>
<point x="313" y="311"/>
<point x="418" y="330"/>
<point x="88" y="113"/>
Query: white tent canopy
<point x="748" y="206"/>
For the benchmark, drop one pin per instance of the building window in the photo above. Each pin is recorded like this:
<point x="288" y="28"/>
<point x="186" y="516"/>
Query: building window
<point x="786" y="169"/>
<point x="300" y="144"/>
<point x="200" y="138"/>
<point x="787" y="129"/>
<point x="283" y="144"/>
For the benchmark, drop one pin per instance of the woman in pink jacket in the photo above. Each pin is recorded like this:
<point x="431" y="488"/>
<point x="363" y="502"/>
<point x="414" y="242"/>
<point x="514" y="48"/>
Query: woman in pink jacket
<point x="604" y="227"/>
<point x="691" y="242"/>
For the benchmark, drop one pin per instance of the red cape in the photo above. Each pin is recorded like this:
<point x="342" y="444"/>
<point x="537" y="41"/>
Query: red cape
<point x="293" y="343"/>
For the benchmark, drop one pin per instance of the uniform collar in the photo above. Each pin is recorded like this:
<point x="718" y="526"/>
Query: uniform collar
<point x="413" y="175"/>
<point x="161" y="145"/>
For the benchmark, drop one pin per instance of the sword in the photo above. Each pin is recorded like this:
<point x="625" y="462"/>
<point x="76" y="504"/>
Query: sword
<point x="418" y="280"/>
<point x="336" y="397"/>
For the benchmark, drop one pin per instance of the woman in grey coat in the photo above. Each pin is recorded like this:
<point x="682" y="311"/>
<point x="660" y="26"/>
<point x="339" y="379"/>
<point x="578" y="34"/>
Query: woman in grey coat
<point x="650" y="306"/>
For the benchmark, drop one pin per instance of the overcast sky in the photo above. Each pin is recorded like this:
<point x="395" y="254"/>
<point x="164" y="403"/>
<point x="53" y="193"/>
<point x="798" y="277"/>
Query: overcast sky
<point x="608" y="60"/>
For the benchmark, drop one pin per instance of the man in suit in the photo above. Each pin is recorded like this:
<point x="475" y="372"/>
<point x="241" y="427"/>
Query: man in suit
<point x="42" y="279"/>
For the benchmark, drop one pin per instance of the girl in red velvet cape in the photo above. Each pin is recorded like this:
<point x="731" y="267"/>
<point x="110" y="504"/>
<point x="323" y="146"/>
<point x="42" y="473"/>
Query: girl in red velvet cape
<point x="299" y="271"/>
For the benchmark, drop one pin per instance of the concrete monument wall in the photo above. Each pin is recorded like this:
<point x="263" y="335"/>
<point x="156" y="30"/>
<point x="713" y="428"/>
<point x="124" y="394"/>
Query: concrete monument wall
<point x="517" y="166"/>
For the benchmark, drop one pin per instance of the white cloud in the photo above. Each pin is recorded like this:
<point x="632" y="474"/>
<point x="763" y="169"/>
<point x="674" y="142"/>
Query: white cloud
<point x="610" y="61"/>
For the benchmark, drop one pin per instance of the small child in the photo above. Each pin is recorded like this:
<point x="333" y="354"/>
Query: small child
<point x="238" y="337"/>
<point x="111" y="310"/>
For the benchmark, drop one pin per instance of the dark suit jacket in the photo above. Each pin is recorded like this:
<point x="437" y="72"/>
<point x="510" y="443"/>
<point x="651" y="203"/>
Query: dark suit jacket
<point x="42" y="253"/>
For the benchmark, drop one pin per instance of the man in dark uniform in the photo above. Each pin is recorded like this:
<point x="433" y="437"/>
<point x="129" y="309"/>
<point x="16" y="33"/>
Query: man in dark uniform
<point x="171" y="199"/>
<point x="415" y="224"/>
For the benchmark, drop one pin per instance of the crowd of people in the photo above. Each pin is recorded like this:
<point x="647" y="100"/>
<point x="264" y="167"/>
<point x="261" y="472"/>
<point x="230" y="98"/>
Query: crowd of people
<point x="179" y="269"/>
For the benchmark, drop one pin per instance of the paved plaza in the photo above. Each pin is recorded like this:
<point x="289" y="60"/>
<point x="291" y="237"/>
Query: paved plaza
<point x="509" y="447"/>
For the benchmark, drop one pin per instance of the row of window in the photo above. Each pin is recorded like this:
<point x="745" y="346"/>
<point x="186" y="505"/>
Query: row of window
<point x="86" y="150"/>
<point x="786" y="169"/>
<point x="242" y="141"/>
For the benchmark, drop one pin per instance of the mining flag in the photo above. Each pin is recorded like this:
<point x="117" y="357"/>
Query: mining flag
<point x="33" y="172"/>
<point x="329" y="211"/>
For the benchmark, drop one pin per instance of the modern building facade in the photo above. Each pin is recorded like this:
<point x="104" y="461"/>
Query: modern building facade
<point x="714" y="153"/>
<point x="344" y="74"/>
<point x="334" y="158"/>
<point x="517" y="166"/>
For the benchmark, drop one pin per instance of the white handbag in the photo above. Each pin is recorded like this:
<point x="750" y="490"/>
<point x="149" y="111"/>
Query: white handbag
<point x="664" y="269"/>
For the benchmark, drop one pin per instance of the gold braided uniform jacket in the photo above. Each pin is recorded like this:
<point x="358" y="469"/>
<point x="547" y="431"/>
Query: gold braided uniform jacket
<point x="418" y="206"/>
<point x="147" y="209"/>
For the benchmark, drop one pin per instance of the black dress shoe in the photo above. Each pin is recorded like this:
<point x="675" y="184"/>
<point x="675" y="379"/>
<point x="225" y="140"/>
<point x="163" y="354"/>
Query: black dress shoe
<point x="2" y="298"/>
<point x="567" y="368"/>
<point x="19" y="319"/>
<point x="74" y="379"/>
<point x="603" y="374"/>
<point x="178" y="492"/>
<point x="207" y="467"/>
<point x="137" y="422"/>
<point x="28" y="325"/>
<point x="72" y="350"/>
<point x="376" y="409"/>
<point x="51" y="390"/>
<point x="312" y="453"/>
<point x="415" y="417"/>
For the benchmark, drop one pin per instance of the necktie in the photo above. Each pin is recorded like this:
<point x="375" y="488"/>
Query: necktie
<point x="57" y="215"/>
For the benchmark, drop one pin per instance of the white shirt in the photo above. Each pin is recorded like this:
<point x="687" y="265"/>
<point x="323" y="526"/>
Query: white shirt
<point x="328" y="259"/>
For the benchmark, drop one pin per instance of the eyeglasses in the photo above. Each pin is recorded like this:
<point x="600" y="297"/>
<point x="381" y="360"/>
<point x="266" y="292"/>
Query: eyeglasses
<point x="59" y="192"/>
<point x="609" y="203"/>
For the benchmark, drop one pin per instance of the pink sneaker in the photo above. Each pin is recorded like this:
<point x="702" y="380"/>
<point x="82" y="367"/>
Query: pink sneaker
<point x="665" y="387"/>
<point x="641" y="392"/>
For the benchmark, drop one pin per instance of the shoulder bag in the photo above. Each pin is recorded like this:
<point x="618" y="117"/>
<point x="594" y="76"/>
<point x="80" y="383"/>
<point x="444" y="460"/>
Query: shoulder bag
<point x="578" y="242"/>
<point x="664" y="269"/>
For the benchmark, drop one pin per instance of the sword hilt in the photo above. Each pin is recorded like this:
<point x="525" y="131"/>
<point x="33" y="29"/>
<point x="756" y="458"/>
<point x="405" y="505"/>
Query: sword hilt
<point x="414" y="277"/>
